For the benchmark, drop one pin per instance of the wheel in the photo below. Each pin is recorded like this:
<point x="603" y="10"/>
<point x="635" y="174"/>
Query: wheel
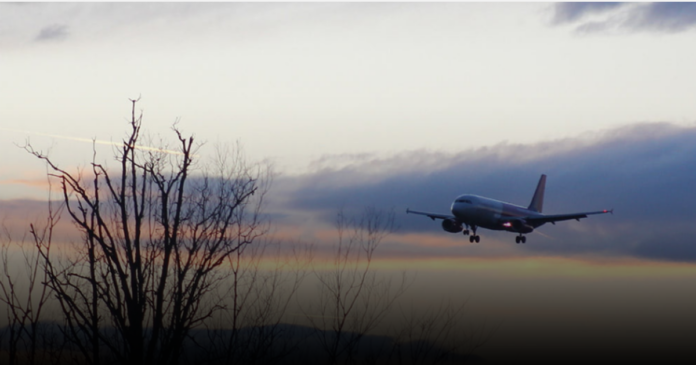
<point x="466" y="232"/>
<point x="517" y="239"/>
<point x="471" y="239"/>
<point x="478" y="239"/>
<point x="524" y="239"/>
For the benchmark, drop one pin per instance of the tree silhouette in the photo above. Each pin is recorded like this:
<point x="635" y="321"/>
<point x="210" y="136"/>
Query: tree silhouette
<point x="25" y="296"/>
<point x="352" y="299"/>
<point x="155" y="234"/>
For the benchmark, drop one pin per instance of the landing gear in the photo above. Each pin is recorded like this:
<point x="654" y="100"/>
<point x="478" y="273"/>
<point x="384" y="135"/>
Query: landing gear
<point x="473" y="237"/>
<point x="520" y="238"/>
<point x="466" y="231"/>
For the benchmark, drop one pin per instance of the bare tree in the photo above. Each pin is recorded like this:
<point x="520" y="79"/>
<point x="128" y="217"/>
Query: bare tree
<point x="352" y="300"/>
<point x="155" y="234"/>
<point x="25" y="306"/>
<point x="263" y="280"/>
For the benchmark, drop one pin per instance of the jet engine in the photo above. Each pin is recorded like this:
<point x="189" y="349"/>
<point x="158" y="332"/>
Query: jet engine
<point x="451" y="226"/>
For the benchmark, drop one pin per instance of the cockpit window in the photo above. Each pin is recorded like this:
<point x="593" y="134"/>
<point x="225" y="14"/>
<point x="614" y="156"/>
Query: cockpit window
<point x="464" y="201"/>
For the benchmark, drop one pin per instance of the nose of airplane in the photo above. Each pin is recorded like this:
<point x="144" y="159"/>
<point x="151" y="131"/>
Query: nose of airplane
<point x="455" y="208"/>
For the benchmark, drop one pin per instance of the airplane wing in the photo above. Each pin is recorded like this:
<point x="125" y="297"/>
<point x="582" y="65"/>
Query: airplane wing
<point x="562" y="217"/>
<point x="432" y="216"/>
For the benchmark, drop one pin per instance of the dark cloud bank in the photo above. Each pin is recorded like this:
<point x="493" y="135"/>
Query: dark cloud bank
<point x="661" y="17"/>
<point x="646" y="172"/>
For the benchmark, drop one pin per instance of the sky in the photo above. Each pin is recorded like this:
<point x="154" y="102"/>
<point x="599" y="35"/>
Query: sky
<point x="405" y="105"/>
<point x="328" y="79"/>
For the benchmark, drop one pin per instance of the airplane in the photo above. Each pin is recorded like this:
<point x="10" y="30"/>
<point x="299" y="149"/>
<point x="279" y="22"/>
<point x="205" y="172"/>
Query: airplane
<point x="477" y="211"/>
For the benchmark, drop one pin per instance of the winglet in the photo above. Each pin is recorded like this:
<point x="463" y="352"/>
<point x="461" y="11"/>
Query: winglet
<point x="537" y="203"/>
<point x="408" y="210"/>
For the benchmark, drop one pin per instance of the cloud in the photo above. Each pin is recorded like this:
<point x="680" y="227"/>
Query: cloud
<point x="571" y="12"/>
<point x="645" y="172"/>
<point x="665" y="17"/>
<point x="16" y="216"/>
<point x="52" y="33"/>
<point x="626" y="17"/>
<point x="158" y="22"/>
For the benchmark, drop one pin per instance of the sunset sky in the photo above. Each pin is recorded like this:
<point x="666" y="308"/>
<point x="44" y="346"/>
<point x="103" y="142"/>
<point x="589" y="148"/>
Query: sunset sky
<point x="407" y="105"/>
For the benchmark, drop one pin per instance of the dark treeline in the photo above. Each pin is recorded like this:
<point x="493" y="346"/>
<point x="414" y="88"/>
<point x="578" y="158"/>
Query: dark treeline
<point x="173" y="265"/>
<point x="291" y="344"/>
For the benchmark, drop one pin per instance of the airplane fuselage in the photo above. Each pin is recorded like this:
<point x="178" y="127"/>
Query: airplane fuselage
<point x="490" y="213"/>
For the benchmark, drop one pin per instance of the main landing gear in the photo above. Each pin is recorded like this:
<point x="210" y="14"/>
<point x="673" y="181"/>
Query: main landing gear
<point x="473" y="237"/>
<point x="520" y="238"/>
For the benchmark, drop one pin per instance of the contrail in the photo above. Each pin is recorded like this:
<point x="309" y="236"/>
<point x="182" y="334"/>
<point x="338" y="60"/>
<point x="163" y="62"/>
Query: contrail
<point x="78" y="139"/>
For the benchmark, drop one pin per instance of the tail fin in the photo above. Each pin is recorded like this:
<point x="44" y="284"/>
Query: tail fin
<point x="537" y="203"/>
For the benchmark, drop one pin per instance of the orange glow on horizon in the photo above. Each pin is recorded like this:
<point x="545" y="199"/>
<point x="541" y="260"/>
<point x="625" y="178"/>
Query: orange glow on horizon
<point x="545" y="266"/>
